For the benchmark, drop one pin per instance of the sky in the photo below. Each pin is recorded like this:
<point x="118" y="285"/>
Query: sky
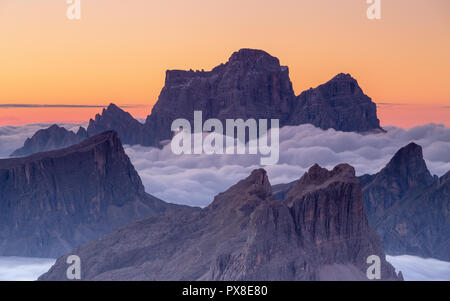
<point x="119" y="50"/>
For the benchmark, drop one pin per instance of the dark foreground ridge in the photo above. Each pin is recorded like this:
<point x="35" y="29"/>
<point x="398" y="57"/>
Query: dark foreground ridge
<point x="406" y="205"/>
<point x="52" y="202"/>
<point x="320" y="232"/>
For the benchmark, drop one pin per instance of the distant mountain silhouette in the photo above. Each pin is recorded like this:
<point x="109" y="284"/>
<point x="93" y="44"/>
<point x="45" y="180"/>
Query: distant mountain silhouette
<point x="54" y="201"/>
<point x="129" y="129"/>
<point x="252" y="84"/>
<point x="338" y="104"/>
<point x="320" y="232"/>
<point x="53" y="138"/>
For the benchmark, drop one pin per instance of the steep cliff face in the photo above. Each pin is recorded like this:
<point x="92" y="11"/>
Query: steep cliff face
<point x="409" y="207"/>
<point x="406" y="173"/>
<point x="338" y="104"/>
<point x="51" y="202"/>
<point x="53" y="138"/>
<point x="114" y="118"/>
<point x="329" y="215"/>
<point x="319" y="233"/>
<point x="252" y="84"/>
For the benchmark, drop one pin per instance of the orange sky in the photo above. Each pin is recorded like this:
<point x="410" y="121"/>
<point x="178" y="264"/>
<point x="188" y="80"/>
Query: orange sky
<point x="119" y="50"/>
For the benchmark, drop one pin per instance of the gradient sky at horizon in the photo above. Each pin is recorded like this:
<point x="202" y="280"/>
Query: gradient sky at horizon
<point x="119" y="50"/>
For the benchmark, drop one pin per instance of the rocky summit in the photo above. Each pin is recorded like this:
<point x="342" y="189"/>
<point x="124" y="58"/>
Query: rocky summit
<point x="320" y="232"/>
<point x="338" y="104"/>
<point x="51" y="202"/>
<point x="408" y="207"/>
<point x="55" y="137"/>
<point x="252" y="84"/>
<point x="114" y="118"/>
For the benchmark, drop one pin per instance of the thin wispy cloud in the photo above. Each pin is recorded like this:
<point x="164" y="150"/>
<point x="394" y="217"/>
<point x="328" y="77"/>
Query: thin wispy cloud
<point x="62" y="106"/>
<point x="391" y="104"/>
<point x="396" y="104"/>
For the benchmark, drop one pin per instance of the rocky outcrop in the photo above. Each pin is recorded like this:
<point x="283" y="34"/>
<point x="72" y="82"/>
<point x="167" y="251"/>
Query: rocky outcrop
<point x="320" y="232"/>
<point x="114" y="118"/>
<point x="409" y="207"/>
<point x="53" y="138"/>
<point x="52" y="202"/>
<point x="406" y="173"/>
<point x="253" y="84"/>
<point x="338" y="104"/>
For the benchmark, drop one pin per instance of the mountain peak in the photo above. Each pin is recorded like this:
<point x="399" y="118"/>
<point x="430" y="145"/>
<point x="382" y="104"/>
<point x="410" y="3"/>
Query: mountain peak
<point x="445" y="177"/>
<point x="247" y="54"/>
<point x="408" y="206"/>
<point x="60" y="199"/>
<point x="256" y="183"/>
<point x="243" y="236"/>
<point x="55" y="127"/>
<point x="340" y="104"/>
<point x="317" y="177"/>
<point x="341" y="85"/>
<point x="254" y="59"/>
<point x="343" y="76"/>
<point x="113" y="107"/>
<point x="408" y="164"/>
<point x="54" y="137"/>
<point x="113" y="117"/>
<point x="246" y="194"/>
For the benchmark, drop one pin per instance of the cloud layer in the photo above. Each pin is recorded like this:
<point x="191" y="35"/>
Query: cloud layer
<point x="23" y="269"/>
<point x="419" y="269"/>
<point x="413" y="268"/>
<point x="196" y="179"/>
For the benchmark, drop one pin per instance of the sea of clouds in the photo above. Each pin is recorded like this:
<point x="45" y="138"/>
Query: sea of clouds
<point x="420" y="269"/>
<point x="23" y="268"/>
<point x="413" y="268"/>
<point x="196" y="179"/>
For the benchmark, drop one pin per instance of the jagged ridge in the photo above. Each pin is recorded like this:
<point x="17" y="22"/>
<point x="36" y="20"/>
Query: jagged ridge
<point x="245" y="234"/>
<point x="252" y="84"/>
<point x="51" y="202"/>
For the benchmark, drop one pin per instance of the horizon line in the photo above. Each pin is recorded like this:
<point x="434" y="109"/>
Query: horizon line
<point x="66" y="106"/>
